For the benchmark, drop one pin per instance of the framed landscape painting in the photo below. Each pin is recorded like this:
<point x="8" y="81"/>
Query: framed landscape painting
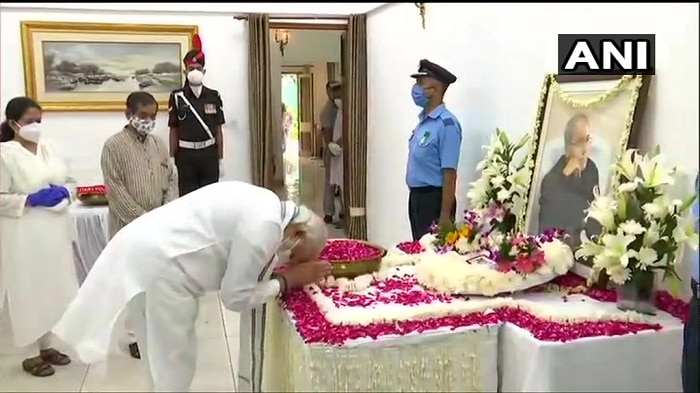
<point x="94" y="66"/>
<point x="584" y="124"/>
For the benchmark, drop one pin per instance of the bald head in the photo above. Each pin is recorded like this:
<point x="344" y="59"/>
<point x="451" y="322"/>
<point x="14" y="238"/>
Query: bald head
<point x="311" y="231"/>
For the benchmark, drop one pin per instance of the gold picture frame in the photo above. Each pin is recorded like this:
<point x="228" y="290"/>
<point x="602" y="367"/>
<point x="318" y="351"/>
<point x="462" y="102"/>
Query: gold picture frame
<point x="94" y="66"/>
<point x="608" y="110"/>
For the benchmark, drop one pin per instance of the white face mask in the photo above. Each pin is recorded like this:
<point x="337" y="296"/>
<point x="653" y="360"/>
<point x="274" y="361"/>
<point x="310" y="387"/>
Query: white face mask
<point x="284" y="252"/>
<point x="143" y="126"/>
<point x="195" y="77"/>
<point x="30" y="132"/>
<point x="337" y="102"/>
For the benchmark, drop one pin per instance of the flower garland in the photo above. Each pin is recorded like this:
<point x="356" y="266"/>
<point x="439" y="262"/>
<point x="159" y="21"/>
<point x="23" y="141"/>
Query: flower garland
<point x="642" y="228"/>
<point x="619" y="87"/>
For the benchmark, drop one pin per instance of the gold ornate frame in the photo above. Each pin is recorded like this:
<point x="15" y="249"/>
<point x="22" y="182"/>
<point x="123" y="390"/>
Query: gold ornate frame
<point x="182" y="33"/>
<point x="630" y="136"/>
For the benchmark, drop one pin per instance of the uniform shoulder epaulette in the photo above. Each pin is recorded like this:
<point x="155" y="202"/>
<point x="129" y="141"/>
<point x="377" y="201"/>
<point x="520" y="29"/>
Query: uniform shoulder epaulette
<point x="448" y="121"/>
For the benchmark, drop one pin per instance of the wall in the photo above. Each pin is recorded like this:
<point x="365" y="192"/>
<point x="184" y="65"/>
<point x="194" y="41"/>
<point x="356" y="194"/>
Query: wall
<point x="81" y="135"/>
<point x="500" y="55"/>
<point x="311" y="46"/>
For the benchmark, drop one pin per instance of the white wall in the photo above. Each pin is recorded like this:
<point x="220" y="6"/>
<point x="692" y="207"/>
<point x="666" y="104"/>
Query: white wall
<point x="311" y="46"/>
<point x="500" y="53"/>
<point x="81" y="134"/>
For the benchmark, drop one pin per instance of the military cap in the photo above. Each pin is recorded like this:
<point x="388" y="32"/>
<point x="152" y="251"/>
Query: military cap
<point x="334" y="84"/>
<point x="432" y="70"/>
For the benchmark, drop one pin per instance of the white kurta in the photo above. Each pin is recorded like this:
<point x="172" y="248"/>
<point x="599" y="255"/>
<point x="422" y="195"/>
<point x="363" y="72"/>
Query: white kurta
<point x="37" y="271"/>
<point x="336" y="176"/>
<point x="221" y="237"/>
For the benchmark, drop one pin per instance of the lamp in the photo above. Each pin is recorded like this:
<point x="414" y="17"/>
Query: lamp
<point x="282" y="38"/>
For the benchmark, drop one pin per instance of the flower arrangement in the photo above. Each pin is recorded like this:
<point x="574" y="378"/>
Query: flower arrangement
<point x="642" y="228"/>
<point x="91" y="190"/>
<point x="501" y="183"/>
<point x="348" y="250"/>
<point x="521" y="253"/>
<point x="462" y="237"/>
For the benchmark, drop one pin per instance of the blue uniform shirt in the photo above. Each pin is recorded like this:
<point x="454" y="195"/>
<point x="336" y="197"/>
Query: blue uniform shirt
<point x="696" y="214"/>
<point x="433" y="146"/>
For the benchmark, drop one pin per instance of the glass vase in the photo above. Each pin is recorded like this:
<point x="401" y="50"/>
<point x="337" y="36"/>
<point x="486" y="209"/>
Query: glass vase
<point x="638" y="294"/>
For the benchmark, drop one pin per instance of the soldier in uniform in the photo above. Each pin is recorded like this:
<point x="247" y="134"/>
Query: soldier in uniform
<point x="433" y="151"/>
<point x="195" y="119"/>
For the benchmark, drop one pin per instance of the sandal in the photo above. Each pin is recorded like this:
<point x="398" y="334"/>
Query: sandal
<point x="38" y="367"/>
<point x="134" y="351"/>
<point x="52" y="356"/>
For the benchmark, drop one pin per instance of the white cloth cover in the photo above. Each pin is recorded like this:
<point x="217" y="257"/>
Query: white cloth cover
<point x="37" y="272"/>
<point x="203" y="241"/>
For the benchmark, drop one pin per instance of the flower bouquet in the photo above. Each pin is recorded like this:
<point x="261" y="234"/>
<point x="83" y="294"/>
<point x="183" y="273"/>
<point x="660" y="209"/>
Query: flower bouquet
<point x="462" y="237"/>
<point x="92" y="195"/>
<point x="501" y="183"/>
<point x="643" y="230"/>
<point x="352" y="258"/>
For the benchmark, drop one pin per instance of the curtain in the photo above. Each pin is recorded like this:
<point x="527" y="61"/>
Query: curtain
<point x="306" y="114"/>
<point x="354" y="61"/>
<point x="260" y="109"/>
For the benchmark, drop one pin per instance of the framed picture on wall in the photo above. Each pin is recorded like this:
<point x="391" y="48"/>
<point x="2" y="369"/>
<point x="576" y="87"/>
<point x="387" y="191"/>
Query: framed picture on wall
<point x="583" y="126"/>
<point x="94" y="66"/>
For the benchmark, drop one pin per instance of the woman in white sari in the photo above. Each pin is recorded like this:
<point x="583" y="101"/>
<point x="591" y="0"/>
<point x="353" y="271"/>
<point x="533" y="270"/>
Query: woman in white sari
<point x="37" y="272"/>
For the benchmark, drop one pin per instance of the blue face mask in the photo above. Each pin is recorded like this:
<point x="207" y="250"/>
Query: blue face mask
<point x="418" y="95"/>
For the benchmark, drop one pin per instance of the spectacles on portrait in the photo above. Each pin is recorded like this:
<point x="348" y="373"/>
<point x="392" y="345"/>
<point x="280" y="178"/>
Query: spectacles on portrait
<point x="583" y="141"/>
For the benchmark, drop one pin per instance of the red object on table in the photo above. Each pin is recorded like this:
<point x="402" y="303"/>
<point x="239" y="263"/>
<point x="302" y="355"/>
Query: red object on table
<point x="91" y="190"/>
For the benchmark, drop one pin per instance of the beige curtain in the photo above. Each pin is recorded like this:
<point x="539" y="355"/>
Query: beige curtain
<point x="354" y="60"/>
<point x="306" y="114"/>
<point x="260" y="109"/>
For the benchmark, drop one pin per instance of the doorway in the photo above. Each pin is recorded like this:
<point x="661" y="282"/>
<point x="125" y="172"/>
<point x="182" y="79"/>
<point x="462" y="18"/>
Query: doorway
<point x="306" y="60"/>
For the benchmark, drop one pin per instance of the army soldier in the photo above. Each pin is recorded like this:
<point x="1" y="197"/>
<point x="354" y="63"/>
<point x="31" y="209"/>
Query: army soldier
<point x="195" y="119"/>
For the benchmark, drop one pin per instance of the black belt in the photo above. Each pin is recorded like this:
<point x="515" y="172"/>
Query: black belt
<point x="425" y="190"/>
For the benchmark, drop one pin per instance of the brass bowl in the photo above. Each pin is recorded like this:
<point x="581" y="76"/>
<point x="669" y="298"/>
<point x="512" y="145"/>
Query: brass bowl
<point x="352" y="269"/>
<point x="93" y="200"/>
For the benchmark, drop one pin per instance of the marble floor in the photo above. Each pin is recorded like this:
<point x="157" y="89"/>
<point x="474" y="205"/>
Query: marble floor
<point x="217" y="329"/>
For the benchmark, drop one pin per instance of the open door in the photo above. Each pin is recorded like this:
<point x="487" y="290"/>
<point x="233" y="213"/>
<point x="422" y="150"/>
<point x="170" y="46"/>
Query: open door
<point x="346" y="103"/>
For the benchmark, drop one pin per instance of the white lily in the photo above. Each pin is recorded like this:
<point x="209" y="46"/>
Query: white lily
<point x="632" y="227"/>
<point x="652" y="234"/>
<point x="603" y="210"/>
<point x="520" y="178"/>
<point x="503" y="195"/>
<point x="627" y="187"/>
<point x="498" y="181"/>
<point x="616" y="247"/>
<point x="657" y="209"/>
<point x="654" y="174"/>
<point x="627" y="166"/>
<point x="588" y="248"/>
<point x="685" y="231"/>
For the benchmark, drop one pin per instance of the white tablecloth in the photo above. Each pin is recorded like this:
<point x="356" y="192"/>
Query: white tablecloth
<point x="464" y="360"/>
<point x="649" y="361"/>
<point x="91" y="233"/>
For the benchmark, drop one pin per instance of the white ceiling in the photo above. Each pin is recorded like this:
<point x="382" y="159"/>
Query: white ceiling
<point x="311" y="46"/>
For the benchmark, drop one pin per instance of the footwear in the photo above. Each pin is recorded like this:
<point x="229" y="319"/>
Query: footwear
<point x="38" y="367"/>
<point x="134" y="351"/>
<point x="328" y="219"/>
<point x="52" y="356"/>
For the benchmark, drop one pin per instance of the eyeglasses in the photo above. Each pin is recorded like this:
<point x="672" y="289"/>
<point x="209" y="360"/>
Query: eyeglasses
<point x="582" y="142"/>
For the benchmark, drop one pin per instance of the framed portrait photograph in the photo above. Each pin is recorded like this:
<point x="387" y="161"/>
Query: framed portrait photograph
<point x="94" y="66"/>
<point x="583" y="126"/>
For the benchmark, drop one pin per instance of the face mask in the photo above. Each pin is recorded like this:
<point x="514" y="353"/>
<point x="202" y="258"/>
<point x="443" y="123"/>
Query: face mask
<point x="418" y="95"/>
<point x="30" y="132"/>
<point x="195" y="77"/>
<point x="143" y="126"/>
<point x="284" y="252"/>
<point x="337" y="102"/>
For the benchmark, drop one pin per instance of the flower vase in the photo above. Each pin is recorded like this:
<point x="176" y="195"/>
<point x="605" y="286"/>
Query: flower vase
<point x="638" y="294"/>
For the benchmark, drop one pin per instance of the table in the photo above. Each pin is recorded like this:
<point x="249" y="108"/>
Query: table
<point x="90" y="234"/>
<point x="463" y="360"/>
<point x="649" y="361"/>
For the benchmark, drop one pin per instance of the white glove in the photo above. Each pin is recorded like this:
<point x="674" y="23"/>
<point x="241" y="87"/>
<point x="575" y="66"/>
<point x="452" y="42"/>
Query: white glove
<point x="335" y="149"/>
<point x="221" y="168"/>
<point x="172" y="165"/>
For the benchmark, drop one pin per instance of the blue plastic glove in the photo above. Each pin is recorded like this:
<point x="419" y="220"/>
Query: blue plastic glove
<point x="46" y="197"/>
<point x="63" y="191"/>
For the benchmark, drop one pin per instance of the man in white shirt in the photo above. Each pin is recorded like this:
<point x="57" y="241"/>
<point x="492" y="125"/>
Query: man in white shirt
<point x="228" y="237"/>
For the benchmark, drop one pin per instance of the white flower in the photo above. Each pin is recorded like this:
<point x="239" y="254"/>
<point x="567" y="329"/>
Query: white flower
<point x="498" y="181"/>
<point x="618" y="274"/>
<point x="520" y="179"/>
<point x="427" y="241"/>
<point x="655" y="209"/>
<point x="627" y="187"/>
<point x="502" y="195"/>
<point x="632" y="227"/>
<point x="654" y="174"/>
<point x="588" y="248"/>
<point x="616" y="247"/>
<point x="481" y="165"/>
<point x="603" y="210"/>
<point x="651" y="235"/>
<point x="627" y="166"/>
<point x="685" y="231"/>
<point x="646" y="256"/>
<point x="463" y="245"/>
